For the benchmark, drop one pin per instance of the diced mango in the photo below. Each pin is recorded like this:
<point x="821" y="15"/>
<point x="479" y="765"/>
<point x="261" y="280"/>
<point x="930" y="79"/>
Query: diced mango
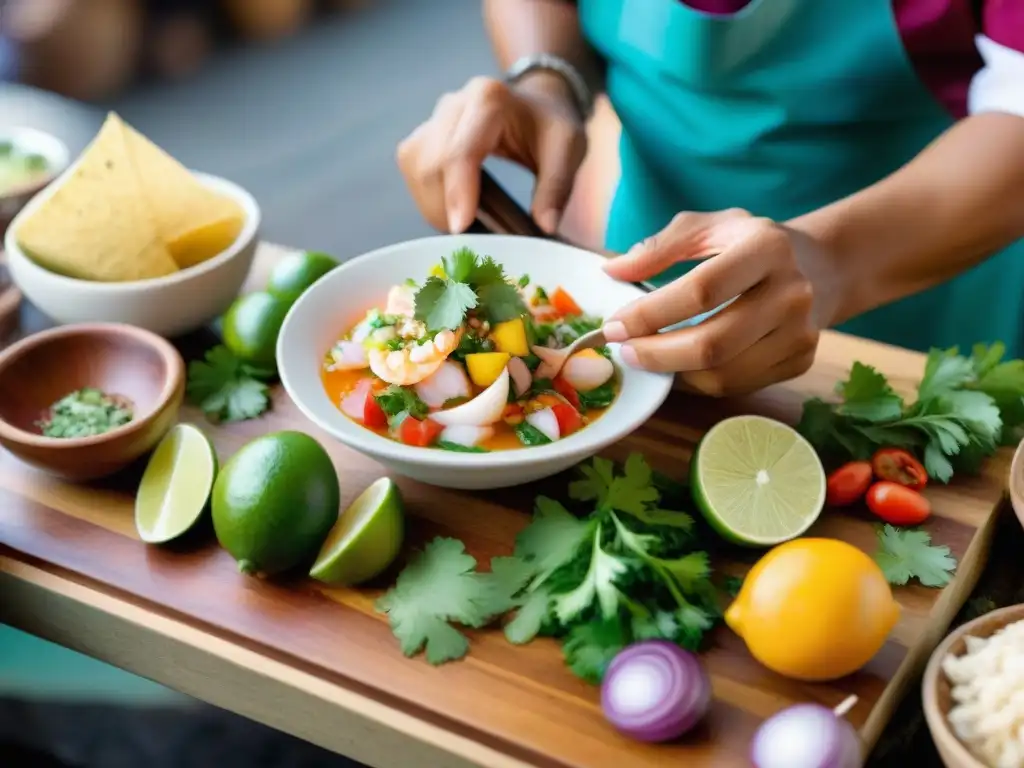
<point x="438" y="271"/>
<point x="510" y="337"/>
<point x="485" y="367"/>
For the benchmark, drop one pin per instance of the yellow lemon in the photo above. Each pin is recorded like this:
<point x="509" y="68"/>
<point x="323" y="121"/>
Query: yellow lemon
<point x="814" y="609"/>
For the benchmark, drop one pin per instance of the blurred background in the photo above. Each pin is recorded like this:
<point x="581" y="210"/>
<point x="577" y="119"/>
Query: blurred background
<point x="302" y="102"/>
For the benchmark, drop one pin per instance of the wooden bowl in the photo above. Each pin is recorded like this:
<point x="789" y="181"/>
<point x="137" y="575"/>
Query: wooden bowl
<point x="1016" y="483"/>
<point x="118" y="359"/>
<point x="936" y="688"/>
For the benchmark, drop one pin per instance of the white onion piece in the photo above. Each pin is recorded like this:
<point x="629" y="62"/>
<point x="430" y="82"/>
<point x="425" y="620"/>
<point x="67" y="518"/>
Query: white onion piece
<point x="655" y="691"/>
<point x="522" y="379"/>
<point x="362" y="331"/>
<point x="446" y="383"/>
<point x="587" y="370"/>
<point x="349" y="356"/>
<point x="486" y="408"/>
<point x="467" y="436"/>
<point x="545" y="422"/>
<point x="542" y="309"/>
<point x="353" y="404"/>
<point x="807" y="736"/>
<point x="401" y="301"/>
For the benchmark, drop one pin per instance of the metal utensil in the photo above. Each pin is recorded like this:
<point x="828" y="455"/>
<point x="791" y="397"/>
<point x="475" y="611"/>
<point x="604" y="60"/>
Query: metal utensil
<point x="552" y="360"/>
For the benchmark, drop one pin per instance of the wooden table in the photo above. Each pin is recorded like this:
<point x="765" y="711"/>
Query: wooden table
<point x="321" y="664"/>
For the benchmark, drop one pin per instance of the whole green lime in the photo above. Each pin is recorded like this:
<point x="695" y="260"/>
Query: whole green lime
<point x="275" y="501"/>
<point x="251" y="327"/>
<point x="293" y="274"/>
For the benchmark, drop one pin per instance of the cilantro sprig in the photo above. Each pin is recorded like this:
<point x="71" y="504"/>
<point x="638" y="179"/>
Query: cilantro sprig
<point x="469" y="282"/>
<point x="906" y="553"/>
<point x="965" y="408"/>
<point x="226" y="388"/>
<point x="623" y="570"/>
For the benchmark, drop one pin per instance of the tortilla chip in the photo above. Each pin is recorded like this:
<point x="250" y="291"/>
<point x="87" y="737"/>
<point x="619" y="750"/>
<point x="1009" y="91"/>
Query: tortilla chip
<point x="195" y="222"/>
<point x="96" y="224"/>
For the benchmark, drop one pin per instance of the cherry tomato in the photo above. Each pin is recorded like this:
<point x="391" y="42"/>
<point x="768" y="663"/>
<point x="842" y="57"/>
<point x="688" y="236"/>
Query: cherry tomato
<point x="565" y="389"/>
<point x="899" y="466"/>
<point x="373" y="415"/>
<point x="420" y="434"/>
<point x="848" y="484"/>
<point x="564" y="303"/>
<point x="897" y="504"/>
<point x="569" y="419"/>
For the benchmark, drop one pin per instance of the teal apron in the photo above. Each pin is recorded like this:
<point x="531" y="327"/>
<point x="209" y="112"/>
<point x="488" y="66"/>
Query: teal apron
<point x="781" y="109"/>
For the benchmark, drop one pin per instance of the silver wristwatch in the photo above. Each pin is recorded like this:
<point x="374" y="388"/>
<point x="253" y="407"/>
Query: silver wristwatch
<point x="581" y="93"/>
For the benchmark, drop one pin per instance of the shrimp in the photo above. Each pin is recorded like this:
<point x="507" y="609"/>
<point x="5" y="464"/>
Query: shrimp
<point x="401" y="301"/>
<point x="348" y="356"/>
<point x="414" y="362"/>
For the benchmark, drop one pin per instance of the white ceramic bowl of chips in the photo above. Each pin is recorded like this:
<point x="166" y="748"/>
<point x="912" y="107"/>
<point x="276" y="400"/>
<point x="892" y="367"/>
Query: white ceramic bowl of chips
<point x="170" y="306"/>
<point x="341" y="298"/>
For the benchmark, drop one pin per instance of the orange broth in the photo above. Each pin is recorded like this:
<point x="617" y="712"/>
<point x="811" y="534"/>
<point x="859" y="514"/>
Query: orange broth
<point x="338" y="384"/>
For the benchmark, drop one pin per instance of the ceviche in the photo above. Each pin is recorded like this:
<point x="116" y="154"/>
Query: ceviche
<point x="451" y="363"/>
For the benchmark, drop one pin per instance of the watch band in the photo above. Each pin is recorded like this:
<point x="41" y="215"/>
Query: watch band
<point x="581" y="93"/>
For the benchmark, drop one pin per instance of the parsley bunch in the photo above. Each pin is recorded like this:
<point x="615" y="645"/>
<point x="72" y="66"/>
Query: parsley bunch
<point x="626" y="570"/>
<point x="469" y="282"/>
<point x="965" y="408"/>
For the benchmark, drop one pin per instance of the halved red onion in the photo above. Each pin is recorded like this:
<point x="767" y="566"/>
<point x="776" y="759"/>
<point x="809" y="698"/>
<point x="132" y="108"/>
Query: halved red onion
<point x="655" y="691"/>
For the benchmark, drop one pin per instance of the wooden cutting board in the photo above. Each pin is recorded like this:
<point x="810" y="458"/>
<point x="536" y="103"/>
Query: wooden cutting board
<point x="520" y="702"/>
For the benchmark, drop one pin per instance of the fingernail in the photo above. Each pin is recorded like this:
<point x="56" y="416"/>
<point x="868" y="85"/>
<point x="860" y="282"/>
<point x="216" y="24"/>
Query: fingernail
<point x="615" y="330"/>
<point x="548" y="220"/>
<point x="455" y="222"/>
<point x="629" y="356"/>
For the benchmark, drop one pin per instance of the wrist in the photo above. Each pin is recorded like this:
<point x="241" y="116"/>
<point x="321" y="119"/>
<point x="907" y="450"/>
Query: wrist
<point x="548" y="87"/>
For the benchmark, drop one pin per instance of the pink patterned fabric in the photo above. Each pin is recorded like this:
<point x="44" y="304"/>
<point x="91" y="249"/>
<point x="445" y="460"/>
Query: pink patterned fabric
<point x="938" y="36"/>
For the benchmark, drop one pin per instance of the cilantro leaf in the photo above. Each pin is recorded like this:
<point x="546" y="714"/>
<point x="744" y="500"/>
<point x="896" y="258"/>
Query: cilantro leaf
<point x="630" y="492"/>
<point x="731" y="585"/>
<point x="598" y="585"/>
<point x="486" y="272"/>
<point x="500" y="301"/>
<point x="443" y="303"/>
<point x="439" y="586"/>
<point x="225" y="388"/>
<point x="552" y="539"/>
<point x="589" y="648"/>
<point x="904" y="554"/>
<point x="867" y="395"/>
<point x="395" y="400"/>
<point x="460" y="265"/>
<point x="944" y="370"/>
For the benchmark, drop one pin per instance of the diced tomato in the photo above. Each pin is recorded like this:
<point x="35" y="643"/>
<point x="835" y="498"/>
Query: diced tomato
<point x="848" y="484"/>
<point x="565" y="389"/>
<point x="373" y="415"/>
<point x="419" y="433"/>
<point x="899" y="466"/>
<point x="897" y="504"/>
<point x="569" y="419"/>
<point x="564" y="303"/>
<point x="547" y="317"/>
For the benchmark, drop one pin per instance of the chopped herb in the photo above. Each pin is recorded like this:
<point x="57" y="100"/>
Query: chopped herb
<point x="731" y="585"/>
<point x="470" y="282"/>
<point x="532" y="361"/>
<point x="530" y="435"/>
<point x="541" y="385"/>
<point x="85" y="413"/>
<point x="447" y="445"/>
<point x="523" y="281"/>
<point x="451" y="402"/>
<point x="604" y="352"/>
<point x="395" y="344"/>
<point x="582" y="324"/>
<point x="471" y="344"/>
<point x="396" y="400"/>
<point x="601" y="397"/>
<point x="540" y="295"/>
<point x="227" y="389"/>
<point x="906" y="553"/>
<point x="541" y="333"/>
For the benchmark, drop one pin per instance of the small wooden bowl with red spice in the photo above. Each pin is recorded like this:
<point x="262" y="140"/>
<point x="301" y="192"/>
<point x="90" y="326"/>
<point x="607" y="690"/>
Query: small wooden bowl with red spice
<point x="124" y="367"/>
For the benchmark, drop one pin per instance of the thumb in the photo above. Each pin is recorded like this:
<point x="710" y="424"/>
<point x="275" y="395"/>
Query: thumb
<point x="687" y="237"/>
<point x="559" y="156"/>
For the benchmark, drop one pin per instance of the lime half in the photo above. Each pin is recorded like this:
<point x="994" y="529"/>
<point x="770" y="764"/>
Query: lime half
<point x="366" y="539"/>
<point x="176" y="485"/>
<point x="757" y="481"/>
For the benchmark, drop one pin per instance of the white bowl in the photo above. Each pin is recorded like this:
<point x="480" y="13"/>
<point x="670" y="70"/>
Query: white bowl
<point x="31" y="141"/>
<point x="170" y="305"/>
<point x="339" y="299"/>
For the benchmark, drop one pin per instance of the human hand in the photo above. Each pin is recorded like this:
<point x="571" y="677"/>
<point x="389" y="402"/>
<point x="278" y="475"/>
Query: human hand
<point x="532" y="124"/>
<point x="785" y="286"/>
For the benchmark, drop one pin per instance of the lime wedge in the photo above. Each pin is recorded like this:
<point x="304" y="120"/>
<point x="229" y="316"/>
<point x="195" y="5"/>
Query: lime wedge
<point x="757" y="481"/>
<point x="366" y="538"/>
<point x="176" y="485"/>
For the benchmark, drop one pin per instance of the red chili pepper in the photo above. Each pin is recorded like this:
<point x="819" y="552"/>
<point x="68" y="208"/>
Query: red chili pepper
<point x="899" y="466"/>
<point x="848" y="484"/>
<point x="566" y="390"/>
<point x="897" y="504"/>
